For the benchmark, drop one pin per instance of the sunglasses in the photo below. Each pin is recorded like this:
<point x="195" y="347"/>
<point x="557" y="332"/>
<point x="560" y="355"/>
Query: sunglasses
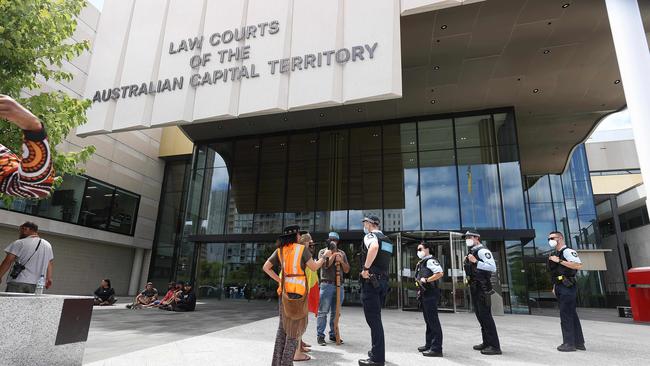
<point x="552" y="238"/>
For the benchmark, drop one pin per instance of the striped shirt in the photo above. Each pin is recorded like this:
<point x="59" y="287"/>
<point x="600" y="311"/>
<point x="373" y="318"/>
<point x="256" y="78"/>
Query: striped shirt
<point x="29" y="176"/>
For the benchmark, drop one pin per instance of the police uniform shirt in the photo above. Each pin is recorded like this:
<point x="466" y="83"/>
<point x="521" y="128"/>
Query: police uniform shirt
<point x="485" y="260"/>
<point x="370" y="239"/>
<point x="433" y="264"/>
<point x="570" y="255"/>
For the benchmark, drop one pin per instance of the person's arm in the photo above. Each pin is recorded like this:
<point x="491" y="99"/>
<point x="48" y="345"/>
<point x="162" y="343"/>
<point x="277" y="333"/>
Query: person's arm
<point x="486" y="262"/>
<point x="268" y="268"/>
<point x="48" y="276"/>
<point x="436" y="268"/>
<point x="38" y="183"/>
<point x="342" y="259"/>
<point x="6" y="264"/>
<point x="97" y="292"/>
<point x="327" y="264"/>
<point x="373" y="250"/>
<point x="571" y="260"/>
<point x="315" y="265"/>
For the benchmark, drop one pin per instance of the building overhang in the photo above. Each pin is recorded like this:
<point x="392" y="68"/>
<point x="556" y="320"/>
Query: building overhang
<point x="555" y="65"/>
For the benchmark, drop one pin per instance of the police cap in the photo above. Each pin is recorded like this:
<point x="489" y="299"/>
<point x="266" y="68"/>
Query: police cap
<point x="373" y="219"/>
<point x="472" y="233"/>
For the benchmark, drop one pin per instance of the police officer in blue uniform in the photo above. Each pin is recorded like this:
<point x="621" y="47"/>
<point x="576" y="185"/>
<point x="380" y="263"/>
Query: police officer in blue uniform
<point x="427" y="273"/>
<point x="479" y="266"/>
<point x="376" y="253"/>
<point x="563" y="265"/>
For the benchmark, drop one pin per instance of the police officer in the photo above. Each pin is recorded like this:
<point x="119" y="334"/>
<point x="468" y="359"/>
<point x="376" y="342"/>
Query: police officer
<point x="427" y="273"/>
<point x="376" y="253"/>
<point x="479" y="266"/>
<point x="563" y="265"/>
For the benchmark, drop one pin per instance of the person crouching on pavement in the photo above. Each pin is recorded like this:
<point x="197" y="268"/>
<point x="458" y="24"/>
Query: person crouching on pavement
<point x="186" y="301"/>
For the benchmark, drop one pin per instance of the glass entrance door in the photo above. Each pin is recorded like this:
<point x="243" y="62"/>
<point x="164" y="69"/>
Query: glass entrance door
<point x="448" y="249"/>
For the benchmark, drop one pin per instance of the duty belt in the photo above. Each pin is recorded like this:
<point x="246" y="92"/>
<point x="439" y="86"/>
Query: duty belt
<point x="560" y="278"/>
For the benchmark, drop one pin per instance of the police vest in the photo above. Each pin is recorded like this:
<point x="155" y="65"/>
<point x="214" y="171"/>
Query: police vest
<point x="471" y="269"/>
<point x="422" y="271"/>
<point x="295" y="280"/>
<point x="382" y="261"/>
<point x="559" y="270"/>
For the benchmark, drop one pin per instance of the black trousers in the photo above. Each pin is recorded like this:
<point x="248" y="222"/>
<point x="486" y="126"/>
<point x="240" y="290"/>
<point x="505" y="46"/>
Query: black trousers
<point x="433" y="337"/>
<point x="483" y="313"/>
<point x="373" y="299"/>
<point x="569" y="321"/>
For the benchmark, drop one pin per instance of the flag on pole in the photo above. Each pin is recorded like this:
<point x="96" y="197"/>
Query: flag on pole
<point x="469" y="179"/>
<point x="313" y="298"/>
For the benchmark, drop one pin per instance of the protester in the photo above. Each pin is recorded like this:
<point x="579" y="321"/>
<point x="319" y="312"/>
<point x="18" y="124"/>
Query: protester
<point x="32" y="175"/>
<point x="313" y="294"/>
<point x="31" y="257"/>
<point x="146" y="297"/>
<point x="293" y="292"/>
<point x="176" y="293"/>
<point x="105" y="295"/>
<point x="167" y="299"/>
<point x="186" y="300"/>
<point x="328" y="288"/>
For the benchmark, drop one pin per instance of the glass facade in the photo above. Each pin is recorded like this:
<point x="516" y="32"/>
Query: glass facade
<point x="85" y="201"/>
<point x="444" y="173"/>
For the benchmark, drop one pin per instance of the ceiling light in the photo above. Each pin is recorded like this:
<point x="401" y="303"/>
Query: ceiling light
<point x="92" y="187"/>
<point x="433" y="101"/>
<point x="412" y="143"/>
<point x="617" y="81"/>
<point x="220" y="127"/>
<point x="257" y="146"/>
<point x="437" y="41"/>
<point x="88" y="197"/>
<point x="286" y="119"/>
<point x="444" y="26"/>
<point x="411" y="160"/>
<point x="359" y="110"/>
<point x="436" y="67"/>
<point x="546" y="52"/>
<point x="312" y="141"/>
<point x="463" y="138"/>
<point x="108" y="195"/>
<point x="322" y="115"/>
<point x="565" y="5"/>
<point x="375" y="135"/>
<point x="535" y="90"/>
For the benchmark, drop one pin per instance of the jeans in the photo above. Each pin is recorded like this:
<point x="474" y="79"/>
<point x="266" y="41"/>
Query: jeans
<point x="569" y="321"/>
<point x="22" y="288"/>
<point x="373" y="299"/>
<point x="327" y="304"/>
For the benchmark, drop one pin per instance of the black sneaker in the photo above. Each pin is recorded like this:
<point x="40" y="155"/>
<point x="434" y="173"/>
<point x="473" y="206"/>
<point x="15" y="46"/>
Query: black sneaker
<point x="130" y="306"/>
<point x="431" y="353"/>
<point x="566" y="348"/>
<point x="333" y="339"/>
<point x="480" y="347"/>
<point x="423" y="348"/>
<point x="581" y="347"/>
<point x="321" y="341"/>
<point x="489" y="350"/>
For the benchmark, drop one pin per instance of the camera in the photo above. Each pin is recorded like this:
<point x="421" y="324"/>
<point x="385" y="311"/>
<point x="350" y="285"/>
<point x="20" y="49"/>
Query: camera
<point x="16" y="270"/>
<point x="331" y="245"/>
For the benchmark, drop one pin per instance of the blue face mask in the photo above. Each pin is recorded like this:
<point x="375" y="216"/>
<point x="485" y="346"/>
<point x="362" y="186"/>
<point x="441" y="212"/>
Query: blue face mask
<point x="365" y="230"/>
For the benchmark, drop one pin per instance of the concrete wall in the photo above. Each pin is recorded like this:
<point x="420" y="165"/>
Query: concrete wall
<point x="128" y="160"/>
<point x="612" y="155"/>
<point x="638" y="240"/>
<point x="79" y="265"/>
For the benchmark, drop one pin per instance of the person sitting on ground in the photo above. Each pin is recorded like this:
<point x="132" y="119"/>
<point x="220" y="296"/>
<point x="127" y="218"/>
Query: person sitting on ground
<point x="146" y="297"/>
<point x="178" y="289"/>
<point x="105" y="295"/>
<point x="167" y="299"/>
<point x="186" y="301"/>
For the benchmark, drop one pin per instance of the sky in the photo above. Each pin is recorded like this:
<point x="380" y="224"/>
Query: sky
<point x="98" y="3"/>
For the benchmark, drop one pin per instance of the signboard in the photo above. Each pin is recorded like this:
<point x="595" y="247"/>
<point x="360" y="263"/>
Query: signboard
<point x="170" y="62"/>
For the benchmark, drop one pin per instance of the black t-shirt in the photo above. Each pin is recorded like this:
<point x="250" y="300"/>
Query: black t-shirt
<point x="188" y="299"/>
<point x="104" y="293"/>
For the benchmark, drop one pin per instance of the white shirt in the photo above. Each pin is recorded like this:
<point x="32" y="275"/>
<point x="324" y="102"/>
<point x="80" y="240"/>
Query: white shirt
<point x="571" y="255"/>
<point x="37" y="266"/>
<point x="371" y="238"/>
<point x="486" y="260"/>
<point x="433" y="264"/>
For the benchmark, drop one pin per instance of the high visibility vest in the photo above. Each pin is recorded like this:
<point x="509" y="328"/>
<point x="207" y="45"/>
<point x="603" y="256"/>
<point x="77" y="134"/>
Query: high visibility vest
<point x="295" y="281"/>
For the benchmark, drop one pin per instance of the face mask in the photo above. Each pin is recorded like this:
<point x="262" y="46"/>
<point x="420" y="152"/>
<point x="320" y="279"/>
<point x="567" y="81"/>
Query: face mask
<point x="421" y="254"/>
<point x="552" y="243"/>
<point x="469" y="242"/>
<point x="365" y="230"/>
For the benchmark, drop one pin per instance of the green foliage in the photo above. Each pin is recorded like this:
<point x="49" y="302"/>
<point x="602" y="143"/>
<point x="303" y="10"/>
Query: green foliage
<point x="34" y="43"/>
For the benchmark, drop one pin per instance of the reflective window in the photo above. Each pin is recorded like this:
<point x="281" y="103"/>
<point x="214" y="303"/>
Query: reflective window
<point x="401" y="192"/>
<point x="512" y="188"/>
<point x="479" y="188"/>
<point x="332" y="181"/>
<point x="271" y="189"/>
<point x="505" y="130"/>
<point x="302" y="180"/>
<point x="435" y="135"/>
<point x="124" y="212"/>
<point x="96" y="205"/>
<point x="243" y="188"/>
<point x="439" y="190"/>
<point x="474" y="131"/>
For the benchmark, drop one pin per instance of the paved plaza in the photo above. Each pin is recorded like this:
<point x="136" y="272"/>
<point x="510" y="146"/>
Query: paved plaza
<point x="241" y="333"/>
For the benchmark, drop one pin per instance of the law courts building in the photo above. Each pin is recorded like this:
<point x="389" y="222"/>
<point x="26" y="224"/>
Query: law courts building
<point x="436" y="115"/>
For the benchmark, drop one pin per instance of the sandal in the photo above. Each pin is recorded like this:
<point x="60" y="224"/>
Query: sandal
<point x="305" y="344"/>
<point x="307" y="358"/>
<point x="305" y="349"/>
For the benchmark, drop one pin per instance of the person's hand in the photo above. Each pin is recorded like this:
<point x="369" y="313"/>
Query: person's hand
<point x="15" y="113"/>
<point x="472" y="258"/>
<point x="338" y="257"/>
<point x="554" y="258"/>
<point x="423" y="280"/>
<point x="365" y="274"/>
<point x="48" y="283"/>
<point x="327" y="253"/>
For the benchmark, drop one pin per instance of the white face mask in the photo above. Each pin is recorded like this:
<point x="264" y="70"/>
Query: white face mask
<point x="469" y="242"/>
<point x="552" y="243"/>
<point x="421" y="254"/>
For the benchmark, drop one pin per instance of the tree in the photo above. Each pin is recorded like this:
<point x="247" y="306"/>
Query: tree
<point x="34" y="42"/>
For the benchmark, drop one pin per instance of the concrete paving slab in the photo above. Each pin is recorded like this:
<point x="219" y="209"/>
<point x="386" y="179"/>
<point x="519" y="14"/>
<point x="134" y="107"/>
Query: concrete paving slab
<point x="525" y="339"/>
